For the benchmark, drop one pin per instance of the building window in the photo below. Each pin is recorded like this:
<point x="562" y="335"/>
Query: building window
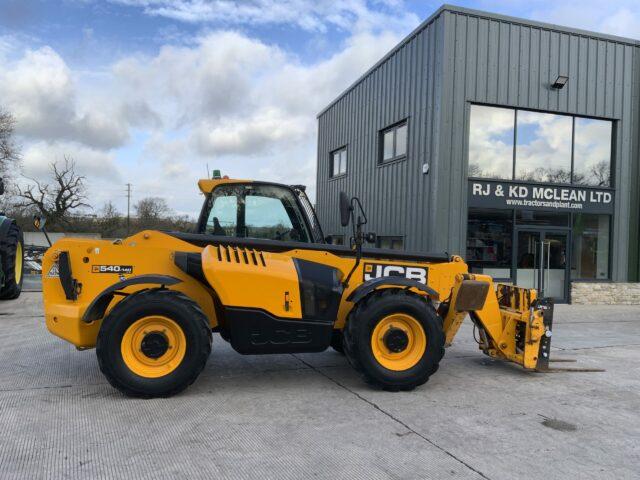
<point x="339" y="162"/>
<point x="592" y="152"/>
<point x="590" y="249"/>
<point x="543" y="147"/>
<point x="390" y="242"/>
<point x="489" y="242"/>
<point x="508" y="144"/>
<point x="393" y="143"/>
<point x="336" y="239"/>
<point x="491" y="134"/>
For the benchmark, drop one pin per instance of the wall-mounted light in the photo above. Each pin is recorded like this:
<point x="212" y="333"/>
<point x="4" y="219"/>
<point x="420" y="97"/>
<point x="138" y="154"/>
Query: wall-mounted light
<point x="560" y="82"/>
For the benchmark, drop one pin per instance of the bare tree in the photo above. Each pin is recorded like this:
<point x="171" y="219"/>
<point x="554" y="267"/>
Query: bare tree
<point x="152" y="208"/>
<point x="110" y="221"/>
<point x="601" y="173"/>
<point x="557" y="175"/>
<point x="9" y="150"/>
<point x="152" y="213"/>
<point x="56" y="200"/>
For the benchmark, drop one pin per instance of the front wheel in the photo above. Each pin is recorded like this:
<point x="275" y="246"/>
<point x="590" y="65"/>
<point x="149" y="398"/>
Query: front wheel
<point x="154" y="343"/>
<point x="394" y="339"/>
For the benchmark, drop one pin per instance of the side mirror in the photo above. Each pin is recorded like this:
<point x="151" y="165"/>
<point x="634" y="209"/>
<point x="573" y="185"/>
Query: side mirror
<point x="345" y="209"/>
<point x="39" y="222"/>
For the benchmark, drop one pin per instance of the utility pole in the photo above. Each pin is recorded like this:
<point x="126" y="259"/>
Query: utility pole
<point x="128" y="207"/>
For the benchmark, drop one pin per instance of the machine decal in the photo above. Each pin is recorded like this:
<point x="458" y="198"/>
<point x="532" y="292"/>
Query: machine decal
<point x="54" y="272"/>
<point x="377" y="270"/>
<point x="122" y="269"/>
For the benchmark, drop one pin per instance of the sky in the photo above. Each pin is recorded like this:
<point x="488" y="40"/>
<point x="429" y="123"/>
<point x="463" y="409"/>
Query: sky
<point x="157" y="93"/>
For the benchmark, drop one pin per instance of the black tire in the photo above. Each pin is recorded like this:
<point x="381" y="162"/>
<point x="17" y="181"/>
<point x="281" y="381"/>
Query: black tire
<point x="360" y="326"/>
<point x="174" y="305"/>
<point x="337" y="341"/>
<point x="9" y="257"/>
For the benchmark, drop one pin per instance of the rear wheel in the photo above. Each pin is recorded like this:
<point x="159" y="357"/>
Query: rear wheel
<point x="154" y="343"/>
<point x="12" y="254"/>
<point x="394" y="339"/>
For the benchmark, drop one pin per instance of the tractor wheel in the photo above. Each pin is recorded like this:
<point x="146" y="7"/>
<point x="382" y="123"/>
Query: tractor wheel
<point x="154" y="343"/>
<point x="11" y="250"/>
<point x="394" y="339"/>
<point x="337" y="341"/>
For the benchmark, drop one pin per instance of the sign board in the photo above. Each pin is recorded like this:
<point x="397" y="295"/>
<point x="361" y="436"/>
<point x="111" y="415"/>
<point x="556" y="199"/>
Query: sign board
<point x="534" y="196"/>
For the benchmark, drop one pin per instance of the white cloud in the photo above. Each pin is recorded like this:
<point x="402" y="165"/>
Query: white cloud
<point x="316" y="15"/>
<point x="226" y="100"/>
<point x="40" y="91"/>
<point x="241" y="104"/>
<point x="94" y="164"/>
<point x="621" y="17"/>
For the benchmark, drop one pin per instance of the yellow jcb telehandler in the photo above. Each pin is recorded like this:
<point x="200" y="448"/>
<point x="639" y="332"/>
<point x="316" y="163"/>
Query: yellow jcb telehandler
<point x="259" y="272"/>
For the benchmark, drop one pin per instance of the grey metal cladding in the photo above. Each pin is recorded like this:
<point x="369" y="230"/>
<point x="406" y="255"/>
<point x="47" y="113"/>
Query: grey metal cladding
<point x="493" y="61"/>
<point x="404" y="86"/>
<point x="457" y="57"/>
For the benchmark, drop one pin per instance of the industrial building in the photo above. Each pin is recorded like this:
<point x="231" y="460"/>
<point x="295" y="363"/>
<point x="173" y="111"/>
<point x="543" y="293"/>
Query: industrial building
<point x="510" y="142"/>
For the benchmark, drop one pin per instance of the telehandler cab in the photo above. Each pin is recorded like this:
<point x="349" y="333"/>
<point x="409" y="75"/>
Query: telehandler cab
<point x="258" y="271"/>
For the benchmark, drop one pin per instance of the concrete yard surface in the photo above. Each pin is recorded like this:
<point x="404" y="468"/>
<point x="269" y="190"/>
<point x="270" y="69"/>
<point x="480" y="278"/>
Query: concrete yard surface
<point x="310" y="416"/>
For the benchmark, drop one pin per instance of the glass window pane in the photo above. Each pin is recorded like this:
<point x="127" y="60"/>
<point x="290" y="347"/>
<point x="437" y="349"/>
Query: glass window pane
<point x="272" y="212"/>
<point x="387" y="151"/>
<point x="223" y="216"/>
<point x="489" y="240"/>
<point x="266" y="217"/>
<point x="337" y="239"/>
<point x="543" y="149"/>
<point x="592" y="152"/>
<point x="335" y="164"/>
<point x="590" y="251"/>
<point x="401" y="141"/>
<point x="343" y="161"/>
<point x="491" y="142"/>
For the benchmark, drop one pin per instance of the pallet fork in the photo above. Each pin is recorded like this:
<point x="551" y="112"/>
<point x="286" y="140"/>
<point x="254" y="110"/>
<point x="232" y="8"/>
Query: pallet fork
<point x="513" y="324"/>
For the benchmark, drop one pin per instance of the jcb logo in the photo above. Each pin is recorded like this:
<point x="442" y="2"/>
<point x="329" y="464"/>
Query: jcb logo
<point x="377" y="270"/>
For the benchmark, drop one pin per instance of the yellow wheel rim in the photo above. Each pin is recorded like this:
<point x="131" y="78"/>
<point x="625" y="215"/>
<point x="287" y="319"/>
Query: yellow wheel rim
<point x="153" y="346"/>
<point x="18" y="265"/>
<point x="398" y="342"/>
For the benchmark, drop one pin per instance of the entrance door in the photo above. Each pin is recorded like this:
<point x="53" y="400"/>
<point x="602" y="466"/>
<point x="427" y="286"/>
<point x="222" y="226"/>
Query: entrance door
<point x="541" y="262"/>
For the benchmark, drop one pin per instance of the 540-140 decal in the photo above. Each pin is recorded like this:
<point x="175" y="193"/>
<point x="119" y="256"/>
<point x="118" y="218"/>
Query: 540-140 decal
<point x="123" y="269"/>
<point x="377" y="270"/>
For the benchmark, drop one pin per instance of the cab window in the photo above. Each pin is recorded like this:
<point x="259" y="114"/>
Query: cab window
<point x="256" y="211"/>
<point x="223" y="216"/>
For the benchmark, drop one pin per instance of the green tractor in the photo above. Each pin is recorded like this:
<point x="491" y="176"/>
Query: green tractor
<point x="11" y="256"/>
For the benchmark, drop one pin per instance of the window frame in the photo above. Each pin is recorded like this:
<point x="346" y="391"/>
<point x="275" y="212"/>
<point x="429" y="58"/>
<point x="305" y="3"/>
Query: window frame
<point x="612" y="146"/>
<point x="219" y="191"/>
<point x="393" y="128"/>
<point x="332" y="154"/>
